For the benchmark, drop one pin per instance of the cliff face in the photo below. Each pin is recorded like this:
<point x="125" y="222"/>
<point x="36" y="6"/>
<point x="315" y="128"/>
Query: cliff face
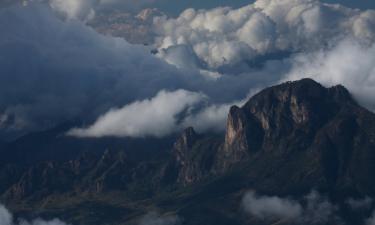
<point x="243" y="136"/>
<point x="283" y="117"/>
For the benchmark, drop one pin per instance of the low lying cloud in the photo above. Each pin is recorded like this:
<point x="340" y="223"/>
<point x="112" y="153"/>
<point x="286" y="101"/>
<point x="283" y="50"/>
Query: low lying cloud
<point x="159" y="116"/>
<point x="152" y="117"/>
<point x="6" y="218"/>
<point x="313" y="209"/>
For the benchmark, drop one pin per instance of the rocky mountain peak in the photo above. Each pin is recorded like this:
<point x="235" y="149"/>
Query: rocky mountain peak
<point x="293" y="110"/>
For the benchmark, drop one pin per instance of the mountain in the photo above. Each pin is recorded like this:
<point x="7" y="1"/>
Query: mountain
<point x="286" y="141"/>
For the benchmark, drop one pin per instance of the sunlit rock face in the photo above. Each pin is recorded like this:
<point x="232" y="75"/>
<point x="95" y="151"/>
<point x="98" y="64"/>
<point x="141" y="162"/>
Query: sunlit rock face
<point x="243" y="136"/>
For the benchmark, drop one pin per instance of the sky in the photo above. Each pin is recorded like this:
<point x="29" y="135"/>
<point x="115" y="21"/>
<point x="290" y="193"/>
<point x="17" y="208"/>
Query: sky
<point x="55" y="68"/>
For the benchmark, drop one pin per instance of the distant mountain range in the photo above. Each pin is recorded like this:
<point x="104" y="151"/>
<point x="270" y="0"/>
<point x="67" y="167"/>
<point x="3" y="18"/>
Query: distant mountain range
<point x="286" y="141"/>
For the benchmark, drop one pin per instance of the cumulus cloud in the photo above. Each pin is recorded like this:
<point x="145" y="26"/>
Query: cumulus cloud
<point x="312" y="209"/>
<point x="223" y="37"/>
<point x="152" y="117"/>
<point x="6" y="218"/>
<point x="154" y="218"/>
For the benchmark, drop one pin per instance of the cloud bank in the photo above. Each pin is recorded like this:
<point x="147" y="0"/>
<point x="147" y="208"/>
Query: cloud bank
<point x="54" y="70"/>
<point x="225" y="37"/>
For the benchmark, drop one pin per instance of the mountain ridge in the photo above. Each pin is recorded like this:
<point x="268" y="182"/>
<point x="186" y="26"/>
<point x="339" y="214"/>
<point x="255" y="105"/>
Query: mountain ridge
<point x="286" y="140"/>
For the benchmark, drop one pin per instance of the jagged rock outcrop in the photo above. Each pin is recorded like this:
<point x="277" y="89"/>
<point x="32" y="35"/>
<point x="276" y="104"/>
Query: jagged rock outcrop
<point x="193" y="156"/>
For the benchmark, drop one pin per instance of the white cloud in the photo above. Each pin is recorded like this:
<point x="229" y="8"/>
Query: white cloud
<point x="212" y="117"/>
<point x="152" y="117"/>
<point x="228" y="37"/>
<point x="165" y="113"/>
<point x="6" y="218"/>
<point x="349" y="63"/>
